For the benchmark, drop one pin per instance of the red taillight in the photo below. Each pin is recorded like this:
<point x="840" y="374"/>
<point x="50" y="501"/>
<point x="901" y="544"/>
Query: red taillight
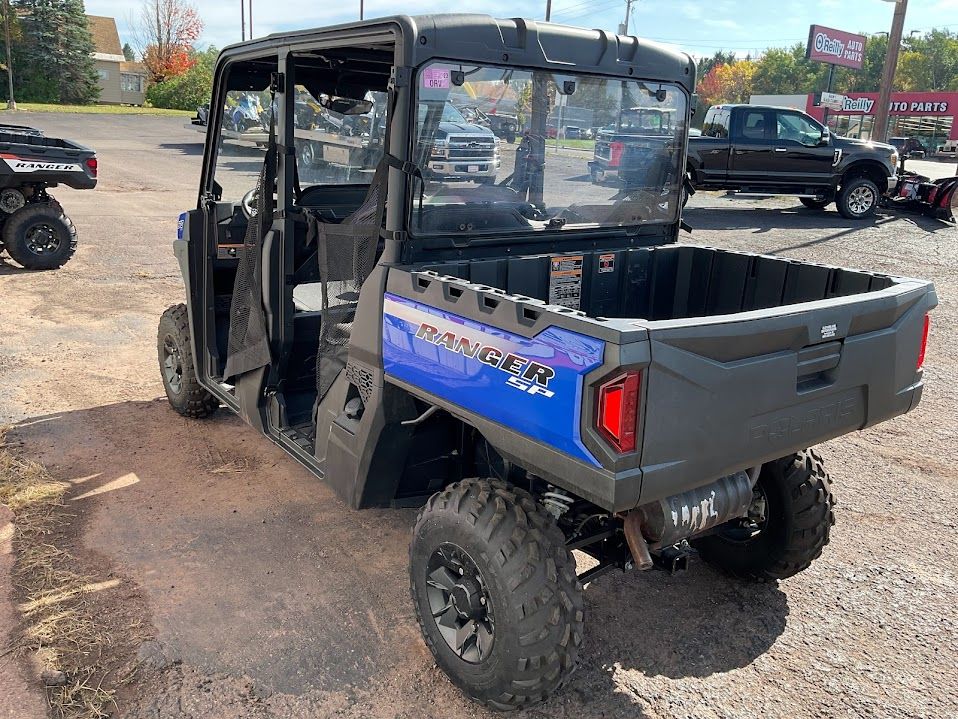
<point x="924" y="342"/>
<point x="618" y="409"/>
<point x="615" y="153"/>
<point x="92" y="165"/>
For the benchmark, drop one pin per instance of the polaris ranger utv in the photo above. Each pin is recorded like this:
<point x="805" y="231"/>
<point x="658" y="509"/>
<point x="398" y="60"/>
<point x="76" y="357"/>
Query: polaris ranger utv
<point x="35" y="230"/>
<point x="536" y="363"/>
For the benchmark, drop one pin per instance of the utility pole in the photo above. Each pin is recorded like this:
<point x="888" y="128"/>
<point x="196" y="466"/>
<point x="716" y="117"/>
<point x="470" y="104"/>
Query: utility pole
<point x="624" y="27"/>
<point x="880" y="131"/>
<point x="361" y="10"/>
<point x="250" y="19"/>
<point x="243" y="17"/>
<point x="548" y="10"/>
<point x="11" y="103"/>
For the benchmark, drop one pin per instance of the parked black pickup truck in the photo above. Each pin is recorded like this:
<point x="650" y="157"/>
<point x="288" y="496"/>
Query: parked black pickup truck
<point x="780" y="151"/>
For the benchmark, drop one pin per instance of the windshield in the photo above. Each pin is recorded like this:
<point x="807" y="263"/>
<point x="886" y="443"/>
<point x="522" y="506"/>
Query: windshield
<point x="542" y="151"/>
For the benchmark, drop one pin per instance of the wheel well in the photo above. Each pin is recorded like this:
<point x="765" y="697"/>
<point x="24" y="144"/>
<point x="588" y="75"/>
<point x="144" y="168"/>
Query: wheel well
<point x="874" y="171"/>
<point x="693" y="170"/>
<point x="444" y="449"/>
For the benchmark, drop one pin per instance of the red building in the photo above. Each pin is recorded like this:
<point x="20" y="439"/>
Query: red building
<point x="929" y="116"/>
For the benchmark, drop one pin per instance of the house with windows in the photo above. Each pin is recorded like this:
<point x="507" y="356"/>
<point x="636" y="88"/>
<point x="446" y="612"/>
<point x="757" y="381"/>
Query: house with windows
<point x="121" y="82"/>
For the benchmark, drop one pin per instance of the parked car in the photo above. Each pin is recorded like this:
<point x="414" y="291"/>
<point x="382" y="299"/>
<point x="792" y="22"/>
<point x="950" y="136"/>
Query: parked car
<point x="642" y="136"/>
<point x="949" y="147"/>
<point x="781" y="151"/>
<point x="909" y="147"/>
<point x="463" y="150"/>
<point x="573" y="133"/>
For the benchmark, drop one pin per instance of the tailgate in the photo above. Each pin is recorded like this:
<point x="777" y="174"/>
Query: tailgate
<point x="730" y="392"/>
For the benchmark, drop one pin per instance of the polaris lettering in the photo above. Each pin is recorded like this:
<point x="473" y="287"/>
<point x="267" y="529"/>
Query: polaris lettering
<point x="511" y="363"/>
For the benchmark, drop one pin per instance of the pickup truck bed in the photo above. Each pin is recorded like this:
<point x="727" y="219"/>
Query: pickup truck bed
<point x="743" y="358"/>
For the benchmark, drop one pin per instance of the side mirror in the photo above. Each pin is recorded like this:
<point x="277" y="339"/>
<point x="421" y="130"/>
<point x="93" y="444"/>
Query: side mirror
<point x="826" y="136"/>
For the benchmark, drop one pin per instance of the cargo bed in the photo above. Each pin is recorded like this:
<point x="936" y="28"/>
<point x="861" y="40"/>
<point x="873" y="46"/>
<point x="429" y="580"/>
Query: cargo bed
<point x="743" y="358"/>
<point x="28" y="156"/>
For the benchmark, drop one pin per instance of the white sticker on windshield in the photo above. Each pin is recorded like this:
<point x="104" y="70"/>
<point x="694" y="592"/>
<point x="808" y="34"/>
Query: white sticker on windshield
<point x="435" y="78"/>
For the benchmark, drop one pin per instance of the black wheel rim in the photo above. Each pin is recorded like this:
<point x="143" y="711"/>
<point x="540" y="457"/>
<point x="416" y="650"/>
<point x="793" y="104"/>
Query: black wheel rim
<point x="42" y="239"/>
<point x="172" y="365"/>
<point x="753" y="524"/>
<point x="459" y="603"/>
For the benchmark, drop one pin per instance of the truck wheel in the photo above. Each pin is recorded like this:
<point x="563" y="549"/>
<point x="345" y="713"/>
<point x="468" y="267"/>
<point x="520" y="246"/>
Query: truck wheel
<point x="495" y="592"/>
<point x="787" y="526"/>
<point x="858" y="199"/>
<point x="306" y="154"/>
<point x="175" y="354"/>
<point x="40" y="236"/>
<point x="813" y="204"/>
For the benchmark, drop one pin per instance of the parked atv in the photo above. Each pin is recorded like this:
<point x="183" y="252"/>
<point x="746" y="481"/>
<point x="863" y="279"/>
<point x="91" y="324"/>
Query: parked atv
<point x="34" y="230"/>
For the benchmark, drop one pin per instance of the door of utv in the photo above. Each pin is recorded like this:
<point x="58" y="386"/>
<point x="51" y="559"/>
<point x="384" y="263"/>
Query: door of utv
<point x="234" y="156"/>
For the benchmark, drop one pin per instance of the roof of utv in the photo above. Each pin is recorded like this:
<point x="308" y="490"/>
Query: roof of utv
<point x="484" y="39"/>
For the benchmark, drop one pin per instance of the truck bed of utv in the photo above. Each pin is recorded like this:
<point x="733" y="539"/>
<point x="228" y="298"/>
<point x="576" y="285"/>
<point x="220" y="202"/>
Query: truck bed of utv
<point x="28" y="156"/>
<point x="740" y="358"/>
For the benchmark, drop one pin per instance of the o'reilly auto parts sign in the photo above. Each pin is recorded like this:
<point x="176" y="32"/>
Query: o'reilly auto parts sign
<point x="835" y="47"/>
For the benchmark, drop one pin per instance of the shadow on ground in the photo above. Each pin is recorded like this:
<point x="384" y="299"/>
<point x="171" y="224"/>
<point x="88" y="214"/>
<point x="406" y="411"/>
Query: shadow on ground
<point x="761" y="220"/>
<point x="185" y="148"/>
<point x="253" y="568"/>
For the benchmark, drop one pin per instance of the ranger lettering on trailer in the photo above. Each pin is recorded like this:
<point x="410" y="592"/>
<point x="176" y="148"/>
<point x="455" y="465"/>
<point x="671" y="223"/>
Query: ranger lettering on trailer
<point x="527" y="375"/>
<point x="19" y="164"/>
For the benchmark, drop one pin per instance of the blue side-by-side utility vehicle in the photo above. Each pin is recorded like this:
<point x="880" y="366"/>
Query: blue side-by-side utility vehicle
<point x="535" y="362"/>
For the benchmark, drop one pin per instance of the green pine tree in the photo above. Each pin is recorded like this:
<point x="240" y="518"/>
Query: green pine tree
<point x="53" y="61"/>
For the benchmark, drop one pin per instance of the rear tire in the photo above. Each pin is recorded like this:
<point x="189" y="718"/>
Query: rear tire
<point x="486" y="552"/>
<point x="858" y="199"/>
<point x="40" y="236"/>
<point x="175" y="354"/>
<point x="813" y="204"/>
<point x="798" y="518"/>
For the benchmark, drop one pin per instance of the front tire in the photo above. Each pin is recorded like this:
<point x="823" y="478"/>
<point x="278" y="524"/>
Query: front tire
<point x="858" y="199"/>
<point x="40" y="236"/>
<point x="495" y="593"/>
<point x="174" y="351"/>
<point x="786" y="536"/>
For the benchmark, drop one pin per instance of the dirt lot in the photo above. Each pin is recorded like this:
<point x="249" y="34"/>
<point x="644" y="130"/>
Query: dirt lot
<point x="265" y="598"/>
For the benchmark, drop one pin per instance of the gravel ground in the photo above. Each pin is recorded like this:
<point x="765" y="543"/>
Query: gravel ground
<point x="266" y="598"/>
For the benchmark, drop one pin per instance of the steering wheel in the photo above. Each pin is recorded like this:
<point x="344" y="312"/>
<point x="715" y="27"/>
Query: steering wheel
<point x="248" y="203"/>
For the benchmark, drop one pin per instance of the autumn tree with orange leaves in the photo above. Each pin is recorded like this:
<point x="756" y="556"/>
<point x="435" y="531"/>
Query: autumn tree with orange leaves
<point x="165" y="33"/>
<point x="728" y="82"/>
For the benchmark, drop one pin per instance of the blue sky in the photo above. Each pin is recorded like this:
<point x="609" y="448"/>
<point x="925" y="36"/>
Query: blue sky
<point x="697" y="26"/>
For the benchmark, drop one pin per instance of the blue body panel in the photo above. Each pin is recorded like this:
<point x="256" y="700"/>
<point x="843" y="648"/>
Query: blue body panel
<point x="181" y="225"/>
<point x="533" y="386"/>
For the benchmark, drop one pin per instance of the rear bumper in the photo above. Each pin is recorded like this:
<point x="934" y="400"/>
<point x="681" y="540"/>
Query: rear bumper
<point x="464" y="169"/>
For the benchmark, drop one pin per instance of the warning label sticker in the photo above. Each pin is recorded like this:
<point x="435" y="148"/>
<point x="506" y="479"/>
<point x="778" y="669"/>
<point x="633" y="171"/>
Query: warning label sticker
<point x="565" y="281"/>
<point x="606" y="263"/>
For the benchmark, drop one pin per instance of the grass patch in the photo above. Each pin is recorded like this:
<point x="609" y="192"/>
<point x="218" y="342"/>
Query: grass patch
<point x="573" y="144"/>
<point x="62" y="626"/>
<point x="94" y="109"/>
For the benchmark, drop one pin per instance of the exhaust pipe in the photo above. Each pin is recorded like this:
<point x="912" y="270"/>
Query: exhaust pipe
<point x="633" y="537"/>
<point x="668" y="521"/>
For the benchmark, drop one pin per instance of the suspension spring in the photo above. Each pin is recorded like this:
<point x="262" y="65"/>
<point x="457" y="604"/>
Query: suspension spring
<point x="556" y="501"/>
